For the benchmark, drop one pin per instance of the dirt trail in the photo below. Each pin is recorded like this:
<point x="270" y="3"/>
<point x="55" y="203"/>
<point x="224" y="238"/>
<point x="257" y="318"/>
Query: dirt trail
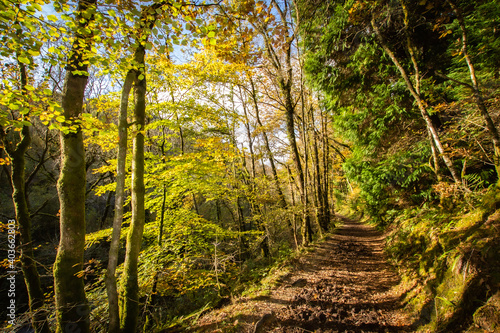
<point x="344" y="285"/>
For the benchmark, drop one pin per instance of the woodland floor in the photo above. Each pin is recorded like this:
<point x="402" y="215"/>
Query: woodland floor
<point x="344" y="285"/>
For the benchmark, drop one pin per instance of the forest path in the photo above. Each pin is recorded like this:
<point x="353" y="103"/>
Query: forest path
<point x="344" y="285"/>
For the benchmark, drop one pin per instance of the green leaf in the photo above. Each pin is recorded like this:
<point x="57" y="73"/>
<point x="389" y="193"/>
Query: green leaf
<point x="23" y="60"/>
<point x="213" y="42"/>
<point x="13" y="106"/>
<point x="34" y="53"/>
<point x="211" y="34"/>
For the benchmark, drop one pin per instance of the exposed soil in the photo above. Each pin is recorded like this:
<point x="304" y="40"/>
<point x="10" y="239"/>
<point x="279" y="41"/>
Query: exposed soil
<point x="344" y="285"/>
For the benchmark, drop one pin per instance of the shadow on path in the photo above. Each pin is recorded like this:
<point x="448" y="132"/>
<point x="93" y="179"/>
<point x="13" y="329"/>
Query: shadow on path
<point x="348" y="287"/>
<point x="344" y="285"/>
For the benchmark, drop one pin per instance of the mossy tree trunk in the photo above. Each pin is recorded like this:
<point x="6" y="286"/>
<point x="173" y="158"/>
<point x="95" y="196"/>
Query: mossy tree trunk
<point x="72" y="309"/>
<point x="111" y="287"/>
<point x="129" y="310"/>
<point x="28" y="264"/>
<point x="18" y="180"/>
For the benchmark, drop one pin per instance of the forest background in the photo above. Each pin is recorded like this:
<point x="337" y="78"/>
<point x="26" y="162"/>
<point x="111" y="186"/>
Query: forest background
<point x="160" y="157"/>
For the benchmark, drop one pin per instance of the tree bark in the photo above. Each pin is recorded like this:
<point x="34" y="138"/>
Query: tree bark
<point x="290" y="129"/>
<point x="421" y="106"/>
<point x="72" y="309"/>
<point x="326" y="154"/>
<point x="294" y="216"/>
<point x="129" y="310"/>
<point x="478" y="96"/>
<point x="23" y="219"/>
<point x="249" y="134"/>
<point x="269" y="153"/>
<point x="111" y="287"/>
<point x="321" y="215"/>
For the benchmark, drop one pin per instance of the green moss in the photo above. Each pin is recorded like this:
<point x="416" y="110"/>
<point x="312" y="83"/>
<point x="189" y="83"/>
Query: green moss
<point x="470" y="219"/>
<point x="452" y="257"/>
<point x="487" y="317"/>
<point x="491" y="200"/>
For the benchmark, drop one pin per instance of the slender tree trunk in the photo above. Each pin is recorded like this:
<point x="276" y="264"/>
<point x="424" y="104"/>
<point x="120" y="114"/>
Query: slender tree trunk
<point x="106" y="210"/>
<point x="111" y="287"/>
<point x="217" y="212"/>
<point x="478" y="96"/>
<point x="421" y="106"/>
<point x="263" y="165"/>
<point x="195" y="204"/>
<point x="28" y="265"/>
<point x="435" y="158"/>
<point x="294" y="216"/>
<point x="321" y="216"/>
<point x="72" y="309"/>
<point x="267" y="147"/>
<point x="326" y="167"/>
<point x="281" y="197"/>
<point x="151" y="299"/>
<point x="241" y="228"/>
<point x="23" y="219"/>
<point x="290" y="129"/>
<point x="130" y="288"/>
<point x="249" y="134"/>
<point x="412" y="51"/>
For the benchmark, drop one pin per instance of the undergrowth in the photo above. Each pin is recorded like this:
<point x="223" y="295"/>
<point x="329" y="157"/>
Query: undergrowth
<point x="450" y="263"/>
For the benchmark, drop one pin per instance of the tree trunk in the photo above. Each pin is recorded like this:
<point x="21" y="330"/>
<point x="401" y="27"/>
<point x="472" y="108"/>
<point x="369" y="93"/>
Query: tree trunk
<point x="72" y="309"/>
<point x="294" y="216"/>
<point x="421" y="106"/>
<point x="111" y="288"/>
<point x="478" y="96"/>
<point x="281" y="197"/>
<point x="290" y="131"/>
<point x="28" y="265"/>
<point x="129" y="310"/>
<point x="249" y="135"/>
<point x="243" y="245"/>
<point x="435" y="158"/>
<point x="23" y="219"/>
<point x="326" y="167"/>
<point x="323" y="222"/>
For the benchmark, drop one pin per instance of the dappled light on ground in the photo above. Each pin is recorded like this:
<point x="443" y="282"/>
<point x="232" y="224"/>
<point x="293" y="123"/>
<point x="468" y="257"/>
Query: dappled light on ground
<point x="344" y="285"/>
